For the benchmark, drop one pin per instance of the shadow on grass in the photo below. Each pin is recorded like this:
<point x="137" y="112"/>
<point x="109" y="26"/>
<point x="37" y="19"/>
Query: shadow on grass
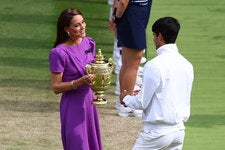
<point x="221" y="56"/>
<point x="205" y="121"/>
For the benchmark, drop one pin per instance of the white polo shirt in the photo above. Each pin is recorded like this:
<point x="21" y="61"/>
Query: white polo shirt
<point x="166" y="90"/>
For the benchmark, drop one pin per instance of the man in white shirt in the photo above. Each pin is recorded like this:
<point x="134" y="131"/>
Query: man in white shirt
<point x="165" y="94"/>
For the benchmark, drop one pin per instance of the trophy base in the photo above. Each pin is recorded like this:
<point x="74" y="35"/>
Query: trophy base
<point x="99" y="102"/>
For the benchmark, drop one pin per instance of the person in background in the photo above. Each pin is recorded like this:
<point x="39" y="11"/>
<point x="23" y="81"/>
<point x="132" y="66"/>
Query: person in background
<point x="130" y="19"/>
<point x="117" y="51"/>
<point x="166" y="92"/>
<point x="80" y="129"/>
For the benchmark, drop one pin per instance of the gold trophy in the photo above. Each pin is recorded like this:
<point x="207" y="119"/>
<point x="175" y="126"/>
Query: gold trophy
<point x="103" y="71"/>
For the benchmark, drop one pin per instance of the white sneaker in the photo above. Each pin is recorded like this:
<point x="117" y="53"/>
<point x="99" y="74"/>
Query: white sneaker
<point x="143" y="60"/>
<point x="127" y="111"/>
<point x="138" y="113"/>
<point x="118" y="104"/>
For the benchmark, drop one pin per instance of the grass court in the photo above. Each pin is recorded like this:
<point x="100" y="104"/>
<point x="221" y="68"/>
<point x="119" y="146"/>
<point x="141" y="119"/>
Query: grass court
<point x="29" y="111"/>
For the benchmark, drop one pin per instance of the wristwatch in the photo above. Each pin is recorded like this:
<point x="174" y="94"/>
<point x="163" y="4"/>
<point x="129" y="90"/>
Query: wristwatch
<point x="115" y="19"/>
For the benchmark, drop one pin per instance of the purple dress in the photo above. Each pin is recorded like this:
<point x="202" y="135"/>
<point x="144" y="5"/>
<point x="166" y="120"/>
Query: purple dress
<point x="80" y="127"/>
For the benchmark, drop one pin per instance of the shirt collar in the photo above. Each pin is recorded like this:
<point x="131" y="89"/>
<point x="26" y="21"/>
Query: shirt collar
<point x="171" y="48"/>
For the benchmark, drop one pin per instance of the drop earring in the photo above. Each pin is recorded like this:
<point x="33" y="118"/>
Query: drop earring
<point x="68" y="33"/>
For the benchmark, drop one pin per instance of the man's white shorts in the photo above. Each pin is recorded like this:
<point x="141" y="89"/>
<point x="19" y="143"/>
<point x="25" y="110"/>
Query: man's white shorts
<point x="149" y="141"/>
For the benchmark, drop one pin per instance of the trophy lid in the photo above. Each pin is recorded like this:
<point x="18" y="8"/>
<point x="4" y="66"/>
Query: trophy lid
<point x="99" y="57"/>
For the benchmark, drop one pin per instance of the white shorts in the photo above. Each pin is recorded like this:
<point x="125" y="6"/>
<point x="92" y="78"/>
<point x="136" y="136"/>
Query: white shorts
<point x="172" y="141"/>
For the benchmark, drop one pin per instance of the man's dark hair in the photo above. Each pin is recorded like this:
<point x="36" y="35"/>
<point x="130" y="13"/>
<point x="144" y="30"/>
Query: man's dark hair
<point x="168" y="27"/>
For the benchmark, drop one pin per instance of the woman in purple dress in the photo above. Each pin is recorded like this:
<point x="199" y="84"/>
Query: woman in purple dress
<point x="80" y="127"/>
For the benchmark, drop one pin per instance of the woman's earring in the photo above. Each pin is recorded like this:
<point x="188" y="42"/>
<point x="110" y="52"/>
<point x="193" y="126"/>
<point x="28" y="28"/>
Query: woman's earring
<point x="68" y="33"/>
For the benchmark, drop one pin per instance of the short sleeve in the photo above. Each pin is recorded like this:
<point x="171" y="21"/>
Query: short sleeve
<point x="56" y="61"/>
<point x="93" y="45"/>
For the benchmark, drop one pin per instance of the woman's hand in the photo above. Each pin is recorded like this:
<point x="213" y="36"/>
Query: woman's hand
<point x="112" y="25"/>
<point x="88" y="79"/>
<point x="58" y="86"/>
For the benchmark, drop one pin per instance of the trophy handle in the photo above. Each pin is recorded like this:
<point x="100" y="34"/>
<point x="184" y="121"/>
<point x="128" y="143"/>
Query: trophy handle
<point x="111" y="65"/>
<point x="88" y="69"/>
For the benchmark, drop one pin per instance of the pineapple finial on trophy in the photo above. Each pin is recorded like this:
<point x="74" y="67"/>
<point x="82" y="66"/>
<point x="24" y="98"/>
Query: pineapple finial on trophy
<point x="99" y="57"/>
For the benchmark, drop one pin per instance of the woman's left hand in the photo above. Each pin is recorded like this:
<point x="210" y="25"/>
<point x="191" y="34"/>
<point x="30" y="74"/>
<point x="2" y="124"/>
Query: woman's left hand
<point x="89" y="79"/>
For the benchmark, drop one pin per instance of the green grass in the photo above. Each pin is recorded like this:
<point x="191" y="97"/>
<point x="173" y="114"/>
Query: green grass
<point x="29" y="110"/>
